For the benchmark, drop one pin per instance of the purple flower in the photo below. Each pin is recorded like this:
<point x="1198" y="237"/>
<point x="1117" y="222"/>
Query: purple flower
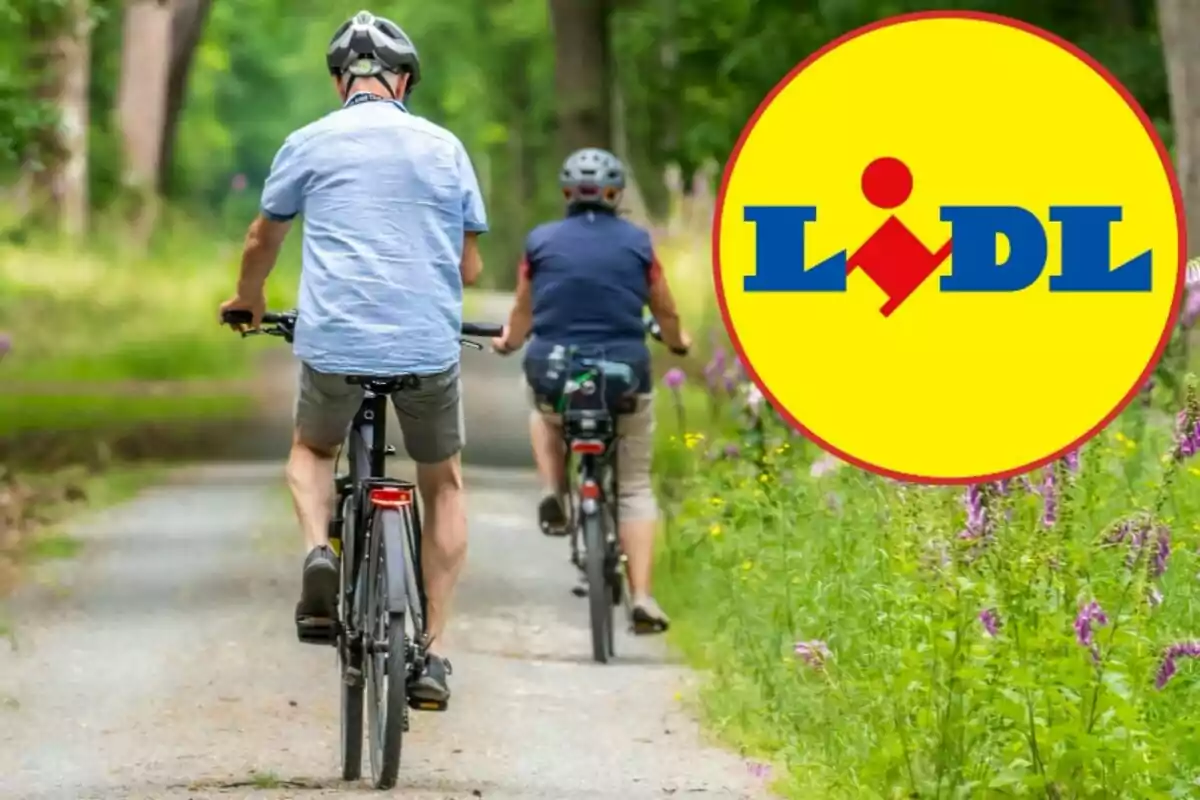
<point x="1089" y="615"/>
<point x="715" y="369"/>
<point x="732" y="451"/>
<point x="1162" y="551"/>
<point x="1191" y="307"/>
<point x="991" y="622"/>
<point x="674" y="379"/>
<point x="977" y="521"/>
<point x="1049" y="499"/>
<point x="1072" y="460"/>
<point x="813" y="653"/>
<point x="760" y="771"/>
<point x="1138" y="533"/>
<point x="1167" y="668"/>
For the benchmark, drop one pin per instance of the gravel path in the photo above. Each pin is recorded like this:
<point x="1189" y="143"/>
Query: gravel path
<point x="163" y="662"/>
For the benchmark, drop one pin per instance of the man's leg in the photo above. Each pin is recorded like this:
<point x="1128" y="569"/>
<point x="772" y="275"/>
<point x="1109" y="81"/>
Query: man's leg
<point x="325" y="406"/>
<point x="431" y="419"/>
<point x="638" y="513"/>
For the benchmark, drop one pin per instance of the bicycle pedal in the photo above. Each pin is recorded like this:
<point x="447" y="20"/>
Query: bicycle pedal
<point x="323" y="632"/>
<point x="579" y="590"/>
<point x="427" y="705"/>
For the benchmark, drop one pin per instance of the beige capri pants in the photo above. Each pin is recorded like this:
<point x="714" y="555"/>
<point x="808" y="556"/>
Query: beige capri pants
<point x="635" y="451"/>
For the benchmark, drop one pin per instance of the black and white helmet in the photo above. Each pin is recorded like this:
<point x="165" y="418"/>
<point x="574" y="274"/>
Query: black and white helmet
<point x="592" y="176"/>
<point x="365" y="46"/>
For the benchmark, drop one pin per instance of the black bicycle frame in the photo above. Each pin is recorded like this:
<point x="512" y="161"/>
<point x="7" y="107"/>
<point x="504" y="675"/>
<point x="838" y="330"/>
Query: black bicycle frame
<point x="369" y="430"/>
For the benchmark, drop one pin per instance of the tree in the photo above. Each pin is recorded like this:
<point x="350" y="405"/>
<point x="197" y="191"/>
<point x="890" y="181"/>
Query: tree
<point x="187" y="23"/>
<point x="582" y="73"/>
<point x="1178" y="20"/>
<point x="142" y="105"/>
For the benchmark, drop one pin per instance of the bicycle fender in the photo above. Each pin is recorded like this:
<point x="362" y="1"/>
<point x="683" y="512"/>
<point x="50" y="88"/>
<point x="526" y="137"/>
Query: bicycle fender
<point x="391" y="525"/>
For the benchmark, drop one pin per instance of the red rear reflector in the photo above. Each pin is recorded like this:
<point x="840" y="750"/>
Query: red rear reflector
<point x="391" y="497"/>
<point x="589" y="447"/>
<point x="590" y="491"/>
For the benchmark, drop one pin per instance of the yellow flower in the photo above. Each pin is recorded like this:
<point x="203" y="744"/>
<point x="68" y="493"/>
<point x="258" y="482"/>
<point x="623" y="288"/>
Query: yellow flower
<point x="1194" y="471"/>
<point x="715" y="530"/>
<point x="783" y="448"/>
<point x="747" y="565"/>
<point x="764" y="478"/>
<point x="716" y="502"/>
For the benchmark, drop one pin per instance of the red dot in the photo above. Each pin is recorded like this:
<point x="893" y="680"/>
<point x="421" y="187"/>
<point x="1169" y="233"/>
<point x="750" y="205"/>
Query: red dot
<point x="887" y="182"/>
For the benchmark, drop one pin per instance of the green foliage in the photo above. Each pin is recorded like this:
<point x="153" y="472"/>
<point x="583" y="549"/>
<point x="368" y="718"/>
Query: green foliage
<point x="845" y="618"/>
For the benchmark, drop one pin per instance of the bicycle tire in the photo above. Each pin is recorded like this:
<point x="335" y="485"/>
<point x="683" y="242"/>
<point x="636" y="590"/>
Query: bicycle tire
<point x="599" y="604"/>
<point x="350" y="656"/>
<point x="387" y="707"/>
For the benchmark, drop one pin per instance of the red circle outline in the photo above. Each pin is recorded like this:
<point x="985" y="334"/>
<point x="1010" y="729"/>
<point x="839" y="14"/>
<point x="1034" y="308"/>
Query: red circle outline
<point x="1099" y="69"/>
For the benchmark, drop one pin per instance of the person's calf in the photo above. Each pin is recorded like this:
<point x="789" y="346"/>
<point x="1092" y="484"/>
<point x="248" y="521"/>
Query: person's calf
<point x="444" y="538"/>
<point x="310" y="478"/>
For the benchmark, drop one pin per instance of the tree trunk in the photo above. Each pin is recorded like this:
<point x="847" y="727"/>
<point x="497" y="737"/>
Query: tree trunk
<point x="57" y="187"/>
<point x="582" y="73"/>
<point x="1178" y="19"/>
<point x="142" y="104"/>
<point x="187" y="25"/>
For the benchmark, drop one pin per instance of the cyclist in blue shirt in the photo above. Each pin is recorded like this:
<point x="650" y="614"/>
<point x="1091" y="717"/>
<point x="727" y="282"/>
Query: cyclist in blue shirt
<point x="392" y="211"/>
<point x="585" y="280"/>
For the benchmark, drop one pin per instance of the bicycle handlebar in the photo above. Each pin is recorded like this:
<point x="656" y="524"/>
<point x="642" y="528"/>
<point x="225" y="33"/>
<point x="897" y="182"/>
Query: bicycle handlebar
<point x="655" y="331"/>
<point x="285" y="323"/>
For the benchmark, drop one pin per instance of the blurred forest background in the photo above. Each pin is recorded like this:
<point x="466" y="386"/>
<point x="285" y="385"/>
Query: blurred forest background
<point x="135" y="137"/>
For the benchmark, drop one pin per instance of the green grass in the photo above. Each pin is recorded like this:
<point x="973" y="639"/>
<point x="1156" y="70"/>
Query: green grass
<point x="915" y="699"/>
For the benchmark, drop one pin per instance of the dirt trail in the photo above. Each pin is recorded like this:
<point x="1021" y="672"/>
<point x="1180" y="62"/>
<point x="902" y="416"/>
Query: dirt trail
<point x="163" y="663"/>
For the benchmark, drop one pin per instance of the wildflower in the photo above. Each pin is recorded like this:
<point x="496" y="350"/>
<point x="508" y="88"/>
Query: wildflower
<point x="715" y="369"/>
<point x="824" y="465"/>
<point x="1049" y="499"/>
<point x="1072" y="460"/>
<point x="1139" y="532"/>
<point x="747" y="565"/>
<point x="991" y="622"/>
<point x="716" y="502"/>
<point x="977" y="521"/>
<point x="1167" y="668"/>
<point x="760" y="771"/>
<point x="1089" y="615"/>
<point x="754" y="398"/>
<point x="731" y="451"/>
<point x="764" y="477"/>
<point x="715" y="529"/>
<point x="674" y="379"/>
<point x="813" y="653"/>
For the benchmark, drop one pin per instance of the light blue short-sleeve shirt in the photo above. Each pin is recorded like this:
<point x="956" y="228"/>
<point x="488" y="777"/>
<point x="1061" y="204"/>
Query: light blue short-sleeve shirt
<point x="386" y="198"/>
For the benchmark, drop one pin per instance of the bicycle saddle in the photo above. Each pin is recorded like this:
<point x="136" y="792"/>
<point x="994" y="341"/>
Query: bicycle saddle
<point x="385" y="384"/>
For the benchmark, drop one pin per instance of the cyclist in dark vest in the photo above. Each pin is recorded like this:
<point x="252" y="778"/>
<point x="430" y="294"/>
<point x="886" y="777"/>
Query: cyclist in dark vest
<point x="585" y="280"/>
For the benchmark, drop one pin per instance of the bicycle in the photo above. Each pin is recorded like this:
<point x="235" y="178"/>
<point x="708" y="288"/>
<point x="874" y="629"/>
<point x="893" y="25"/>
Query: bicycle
<point x="376" y="531"/>
<point x="591" y="474"/>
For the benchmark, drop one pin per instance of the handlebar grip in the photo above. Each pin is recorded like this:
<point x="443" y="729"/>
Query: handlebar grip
<point x="487" y="329"/>
<point x="240" y="316"/>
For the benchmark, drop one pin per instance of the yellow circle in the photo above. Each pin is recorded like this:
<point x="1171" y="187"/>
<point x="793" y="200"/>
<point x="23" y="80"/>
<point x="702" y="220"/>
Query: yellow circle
<point x="950" y="387"/>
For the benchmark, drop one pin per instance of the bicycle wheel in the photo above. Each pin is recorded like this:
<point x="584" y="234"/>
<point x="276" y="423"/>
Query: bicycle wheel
<point x="350" y="654"/>
<point x="599" y="599"/>
<point x="386" y="662"/>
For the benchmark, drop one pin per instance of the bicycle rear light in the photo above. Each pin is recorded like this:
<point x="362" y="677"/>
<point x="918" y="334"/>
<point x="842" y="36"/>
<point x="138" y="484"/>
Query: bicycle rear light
<point x="391" y="497"/>
<point x="590" y="490"/>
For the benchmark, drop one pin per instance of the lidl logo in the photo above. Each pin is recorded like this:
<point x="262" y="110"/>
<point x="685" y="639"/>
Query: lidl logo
<point x="949" y="247"/>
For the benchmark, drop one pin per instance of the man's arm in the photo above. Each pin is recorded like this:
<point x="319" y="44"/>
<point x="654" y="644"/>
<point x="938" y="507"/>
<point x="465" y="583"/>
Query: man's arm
<point x="263" y="242"/>
<point x="472" y="260"/>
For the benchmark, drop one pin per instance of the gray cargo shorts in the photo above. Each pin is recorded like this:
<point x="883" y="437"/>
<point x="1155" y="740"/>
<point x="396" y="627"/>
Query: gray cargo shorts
<point x="431" y="416"/>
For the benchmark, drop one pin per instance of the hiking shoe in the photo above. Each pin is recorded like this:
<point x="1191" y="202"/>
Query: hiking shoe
<point x="551" y="516"/>
<point x="648" y="617"/>
<point x="319" y="587"/>
<point x="430" y="686"/>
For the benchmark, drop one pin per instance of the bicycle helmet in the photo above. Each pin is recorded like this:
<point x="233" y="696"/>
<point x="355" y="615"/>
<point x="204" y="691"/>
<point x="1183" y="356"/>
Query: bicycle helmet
<point x="366" y="46"/>
<point x="592" y="176"/>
